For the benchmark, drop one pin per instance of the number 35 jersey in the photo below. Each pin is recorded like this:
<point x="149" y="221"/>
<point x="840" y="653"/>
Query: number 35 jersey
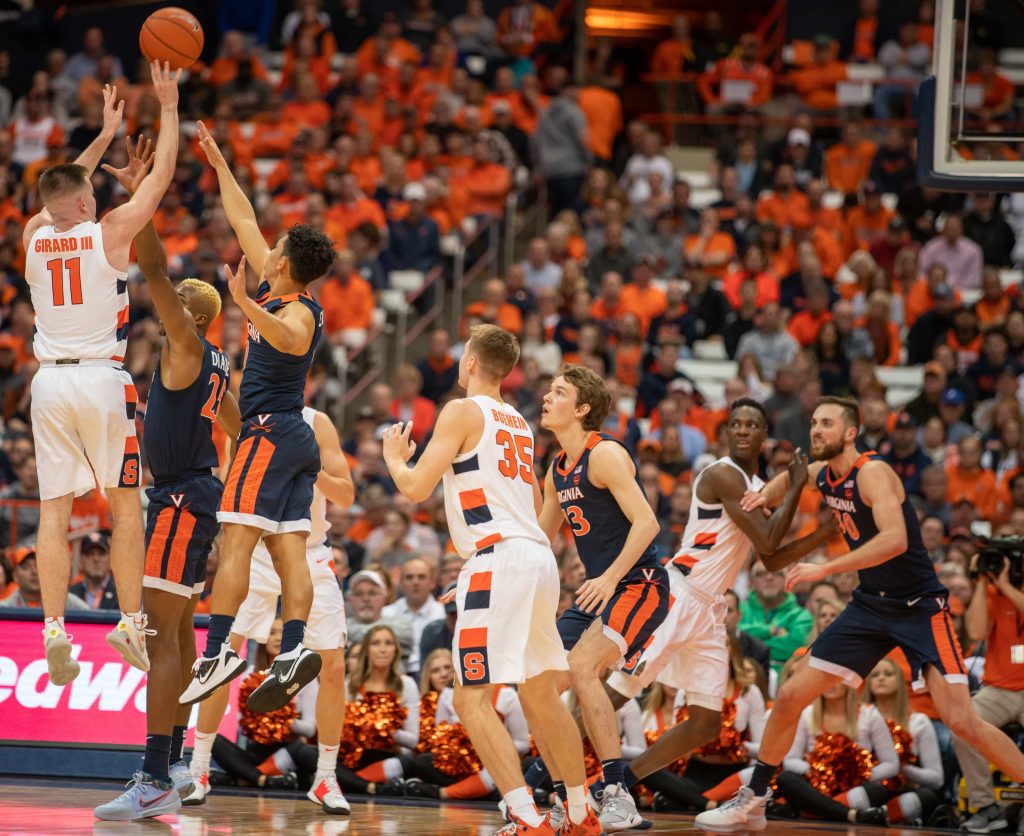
<point x="598" y="523"/>
<point x="488" y="491"/>
<point x="177" y="433"/>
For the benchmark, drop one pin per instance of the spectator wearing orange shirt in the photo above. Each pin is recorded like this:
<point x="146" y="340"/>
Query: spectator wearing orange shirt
<point x="821" y="216"/>
<point x="436" y="76"/>
<point x="608" y="305"/>
<point x="868" y="222"/>
<point x="348" y="302"/>
<point x="997" y="90"/>
<point x="743" y="67"/>
<point x="754" y="268"/>
<point x="921" y="294"/>
<point x="307" y="110"/>
<point x="410" y="405"/>
<point x="293" y="200"/>
<point x="864" y="39"/>
<point x="804" y="325"/>
<point x="883" y="332"/>
<point x="969" y="481"/>
<point x="523" y="26"/>
<point x="302" y="60"/>
<point x="676" y="54"/>
<point x="353" y="209"/>
<point x="495" y="309"/>
<point x="233" y="49"/>
<point x="368" y="108"/>
<point x="386" y="51"/>
<point x="848" y="163"/>
<point x="602" y="109"/>
<point x="486" y="184"/>
<point x="816" y="83"/>
<point x="994" y="305"/>
<point x="785" y="207"/>
<point x="710" y="249"/>
<point x="273" y="134"/>
<point x="640" y="297"/>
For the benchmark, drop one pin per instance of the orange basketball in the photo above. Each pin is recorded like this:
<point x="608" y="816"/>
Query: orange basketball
<point x="173" y="35"/>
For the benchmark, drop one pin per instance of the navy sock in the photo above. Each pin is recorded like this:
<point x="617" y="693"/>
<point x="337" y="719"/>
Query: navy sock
<point x="158" y="755"/>
<point x="178" y="744"/>
<point x="561" y="791"/>
<point x="629" y="780"/>
<point x="612" y="771"/>
<point x="536" y="774"/>
<point x="291" y="635"/>
<point x="217" y="634"/>
<point x="762" y="777"/>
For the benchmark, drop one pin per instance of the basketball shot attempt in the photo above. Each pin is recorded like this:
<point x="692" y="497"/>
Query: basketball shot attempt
<point x="899" y="603"/>
<point x="83" y="401"/>
<point x="507" y="592"/>
<point x="269" y="489"/>
<point x="189" y="392"/>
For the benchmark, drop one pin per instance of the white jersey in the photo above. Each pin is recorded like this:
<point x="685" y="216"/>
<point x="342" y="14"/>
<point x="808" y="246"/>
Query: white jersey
<point x="81" y="302"/>
<point x="318" y="510"/>
<point x="714" y="548"/>
<point x="488" y="491"/>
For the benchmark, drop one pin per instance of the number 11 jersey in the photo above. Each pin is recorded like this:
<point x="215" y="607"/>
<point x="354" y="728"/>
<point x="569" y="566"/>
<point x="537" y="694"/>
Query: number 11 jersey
<point x="488" y="491"/>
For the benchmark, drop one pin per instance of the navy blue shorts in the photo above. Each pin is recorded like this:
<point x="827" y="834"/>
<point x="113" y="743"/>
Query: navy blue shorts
<point x="181" y="522"/>
<point x="630" y="617"/>
<point x="270" y="485"/>
<point x="871" y="627"/>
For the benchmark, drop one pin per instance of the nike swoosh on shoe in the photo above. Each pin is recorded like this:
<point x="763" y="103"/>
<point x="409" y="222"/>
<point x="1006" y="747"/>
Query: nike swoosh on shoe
<point x="145" y="805"/>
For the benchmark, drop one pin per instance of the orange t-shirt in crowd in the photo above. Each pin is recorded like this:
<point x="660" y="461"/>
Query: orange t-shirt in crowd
<point x="400" y="51"/>
<point x="603" y="111"/>
<point x="995" y="91"/>
<point x="273" y="139"/>
<point x="424" y="413"/>
<point x="892" y="334"/>
<point x="919" y="300"/>
<point x="865" y="31"/>
<point x="977" y="488"/>
<point x="543" y="30"/>
<point x="508" y="316"/>
<point x="846" y="168"/>
<point x="487" y="186"/>
<point x="223" y="70"/>
<point x="828" y="219"/>
<point x="990" y="313"/>
<point x="645" y="303"/>
<point x="767" y="287"/>
<point x="792" y="210"/>
<point x="90" y="512"/>
<point x="672" y="56"/>
<point x="628" y="359"/>
<point x="1006" y="631"/>
<point x="342" y="218"/>
<point x="732" y="69"/>
<point x="370" y="114"/>
<point x="367" y="172"/>
<point x="816" y="84"/>
<point x="804" y="326"/>
<point x="864" y="228"/>
<point x="721" y="243"/>
<point x="307" y="114"/>
<point x="347" y="303"/>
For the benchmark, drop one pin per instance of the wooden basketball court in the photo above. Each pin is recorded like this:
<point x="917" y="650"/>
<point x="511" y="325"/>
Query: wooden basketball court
<point x="64" y="808"/>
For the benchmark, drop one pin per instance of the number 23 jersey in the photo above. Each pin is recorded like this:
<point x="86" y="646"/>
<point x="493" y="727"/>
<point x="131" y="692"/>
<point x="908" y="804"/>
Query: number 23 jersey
<point x="488" y="491"/>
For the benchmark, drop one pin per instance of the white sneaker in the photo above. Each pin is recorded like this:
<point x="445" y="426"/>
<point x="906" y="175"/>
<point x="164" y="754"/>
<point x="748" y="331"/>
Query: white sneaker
<point x="129" y="639"/>
<point x="208" y="674"/>
<point x="557" y="815"/>
<point x="62" y="668"/>
<point x="326" y="792"/>
<point x="181" y="778"/>
<point x="744" y="811"/>
<point x="618" y="809"/>
<point x="200" y="788"/>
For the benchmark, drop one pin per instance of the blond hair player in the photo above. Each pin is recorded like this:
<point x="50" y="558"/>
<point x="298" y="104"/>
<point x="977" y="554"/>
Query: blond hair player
<point x="83" y="402"/>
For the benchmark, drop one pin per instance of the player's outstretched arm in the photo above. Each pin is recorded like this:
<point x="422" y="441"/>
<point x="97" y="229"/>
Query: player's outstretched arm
<point x="335" y="479"/>
<point x="239" y="211"/>
<point x="611" y="467"/>
<point x="799" y="549"/>
<point x="882" y="490"/>
<point x="765" y="534"/>
<point x="289" y="330"/>
<point x="122" y="224"/>
<point x="550" y="515"/>
<point x="456" y="421"/>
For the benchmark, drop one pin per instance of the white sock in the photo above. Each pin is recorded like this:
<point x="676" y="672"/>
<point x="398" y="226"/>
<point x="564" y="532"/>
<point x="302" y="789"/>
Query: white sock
<point x="486" y="779"/>
<point x="393" y="769"/>
<point x="857" y="799"/>
<point x="132" y="617"/>
<point x="520" y="804"/>
<point x="57" y="620"/>
<point x="327" y="759"/>
<point x="910" y="805"/>
<point x="576" y="801"/>
<point x="202" y="751"/>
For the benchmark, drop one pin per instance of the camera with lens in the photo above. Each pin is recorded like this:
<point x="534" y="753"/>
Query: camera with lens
<point x="993" y="554"/>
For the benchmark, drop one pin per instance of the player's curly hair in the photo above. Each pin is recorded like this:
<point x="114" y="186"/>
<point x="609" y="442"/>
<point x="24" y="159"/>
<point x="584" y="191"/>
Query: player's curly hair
<point x="592" y="391"/>
<point x="204" y="297"/>
<point x="310" y="253"/>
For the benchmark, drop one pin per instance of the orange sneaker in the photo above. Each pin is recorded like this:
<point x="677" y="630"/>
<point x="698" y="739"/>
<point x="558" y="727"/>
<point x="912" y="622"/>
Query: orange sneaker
<point x="590" y="826"/>
<point x="517" y="827"/>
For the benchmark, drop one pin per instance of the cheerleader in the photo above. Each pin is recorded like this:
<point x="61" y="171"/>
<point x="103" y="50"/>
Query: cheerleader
<point x="913" y="793"/>
<point x="273" y="739"/>
<point x="449" y="766"/>
<point x="382" y="719"/>
<point x="438" y="674"/>
<point x="691" y="784"/>
<point x="840" y="745"/>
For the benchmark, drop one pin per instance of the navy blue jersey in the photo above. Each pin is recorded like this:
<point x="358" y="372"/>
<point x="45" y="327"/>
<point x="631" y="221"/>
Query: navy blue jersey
<point x="273" y="380"/>
<point x="598" y="523"/>
<point x="177" y="433"/>
<point x="907" y="575"/>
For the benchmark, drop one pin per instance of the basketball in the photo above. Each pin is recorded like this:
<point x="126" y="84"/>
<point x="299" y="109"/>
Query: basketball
<point x="172" y="35"/>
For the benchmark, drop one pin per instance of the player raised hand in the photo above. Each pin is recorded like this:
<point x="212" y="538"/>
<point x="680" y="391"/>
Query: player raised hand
<point x="236" y="283"/>
<point x="798" y="468"/>
<point x="398" y="443"/>
<point x="140" y="160"/>
<point x="113" y="110"/>
<point x="165" y="85"/>
<point x="209" y="146"/>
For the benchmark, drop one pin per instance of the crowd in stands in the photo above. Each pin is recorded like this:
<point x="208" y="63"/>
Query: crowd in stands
<point x="819" y="262"/>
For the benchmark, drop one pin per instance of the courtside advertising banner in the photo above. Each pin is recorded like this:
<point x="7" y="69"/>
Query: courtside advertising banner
<point x="104" y="706"/>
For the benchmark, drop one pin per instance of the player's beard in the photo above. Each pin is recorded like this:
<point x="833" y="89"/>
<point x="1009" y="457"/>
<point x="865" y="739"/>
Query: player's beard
<point x="827" y="451"/>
